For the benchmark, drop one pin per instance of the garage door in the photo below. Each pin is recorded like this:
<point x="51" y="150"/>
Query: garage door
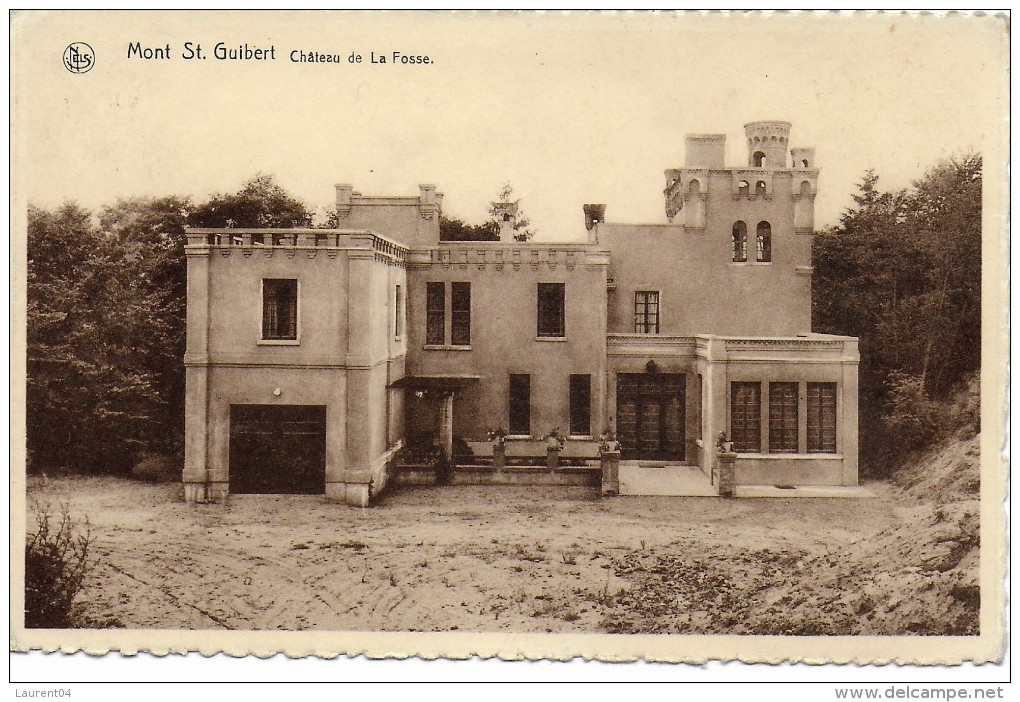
<point x="278" y="449"/>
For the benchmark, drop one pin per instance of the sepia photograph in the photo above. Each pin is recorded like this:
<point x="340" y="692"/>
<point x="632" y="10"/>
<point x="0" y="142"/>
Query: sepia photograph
<point x="624" y="336"/>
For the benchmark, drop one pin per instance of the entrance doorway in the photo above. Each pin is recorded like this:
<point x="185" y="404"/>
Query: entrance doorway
<point x="278" y="449"/>
<point x="650" y="415"/>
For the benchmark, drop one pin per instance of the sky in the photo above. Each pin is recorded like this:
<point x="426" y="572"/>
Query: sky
<point x="569" y="108"/>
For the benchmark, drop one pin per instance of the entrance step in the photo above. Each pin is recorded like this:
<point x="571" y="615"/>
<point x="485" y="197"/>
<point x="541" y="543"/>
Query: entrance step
<point x="664" y="478"/>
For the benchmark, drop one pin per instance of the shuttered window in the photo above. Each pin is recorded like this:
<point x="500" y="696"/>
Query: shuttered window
<point x="821" y="417"/>
<point x="460" y="314"/>
<point x="551" y="319"/>
<point x="398" y="312"/>
<point x="435" y="322"/>
<point x="745" y="416"/>
<point x="783" y="418"/>
<point x="520" y="404"/>
<point x="580" y="405"/>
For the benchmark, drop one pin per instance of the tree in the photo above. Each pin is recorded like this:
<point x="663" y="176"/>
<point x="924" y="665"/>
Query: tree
<point x="95" y="329"/>
<point x="153" y="230"/>
<point x="260" y="203"/>
<point x="902" y="271"/>
<point x="106" y="321"/>
<point x="453" y="229"/>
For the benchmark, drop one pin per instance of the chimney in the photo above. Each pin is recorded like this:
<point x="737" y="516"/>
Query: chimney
<point x="344" y="192"/>
<point x="594" y="214"/>
<point x="505" y="212"/>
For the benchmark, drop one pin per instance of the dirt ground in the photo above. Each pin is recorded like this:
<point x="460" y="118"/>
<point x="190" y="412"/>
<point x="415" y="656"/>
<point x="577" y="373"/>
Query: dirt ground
<point x="535" y="559"/>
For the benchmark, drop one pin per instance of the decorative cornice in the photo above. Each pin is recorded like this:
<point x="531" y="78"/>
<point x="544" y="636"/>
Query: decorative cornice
<point x="782" y="344"/>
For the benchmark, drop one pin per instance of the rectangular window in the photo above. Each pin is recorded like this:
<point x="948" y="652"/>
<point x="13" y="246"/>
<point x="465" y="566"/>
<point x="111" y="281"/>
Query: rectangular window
<point x="580" y="405"/>
<point x="646" y="312"/>
<point x="398" y="312"/>
<point x="435" y="314"/>
<point x="279" y="309"/>
<point x="745" y="416"/>
<point x="821" y="417"/>
<point x="551" y="319"/>
<point x="520" y="404"/>
<point x="783" y="421"/>
<point x="460" y="313"/>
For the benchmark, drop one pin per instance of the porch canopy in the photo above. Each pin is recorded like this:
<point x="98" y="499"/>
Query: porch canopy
<point x="440" y="383"/>
<point x="446" y="386"/>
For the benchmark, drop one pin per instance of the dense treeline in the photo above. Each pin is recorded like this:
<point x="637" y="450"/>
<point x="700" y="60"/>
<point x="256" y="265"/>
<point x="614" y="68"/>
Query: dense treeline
<point x="106" y="321"/>
<point x="902" y="271"/>
<point x="107" y="297"/>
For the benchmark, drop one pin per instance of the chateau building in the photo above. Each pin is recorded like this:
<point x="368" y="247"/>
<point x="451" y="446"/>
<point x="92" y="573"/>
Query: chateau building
<point x="315" y="356"/>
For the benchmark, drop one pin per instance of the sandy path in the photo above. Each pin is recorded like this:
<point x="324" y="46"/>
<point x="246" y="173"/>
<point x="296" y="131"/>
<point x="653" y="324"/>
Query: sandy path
<point x="432" y="559"/>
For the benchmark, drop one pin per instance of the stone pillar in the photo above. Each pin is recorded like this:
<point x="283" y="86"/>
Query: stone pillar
<point x="196" y="402"/>
<point x="552" y="457"/>
<point x="727" y="473"/>
<point x="196" y="419"/>
<point x="446" y="425"/>
<point x="847" y="413"/>
<point x="499" y="456"/>
<point x="610" y="472"/>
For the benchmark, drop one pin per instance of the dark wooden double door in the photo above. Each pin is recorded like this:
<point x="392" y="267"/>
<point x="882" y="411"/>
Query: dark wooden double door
<point x="278" y="449"/>
<point x="650" y="415"/>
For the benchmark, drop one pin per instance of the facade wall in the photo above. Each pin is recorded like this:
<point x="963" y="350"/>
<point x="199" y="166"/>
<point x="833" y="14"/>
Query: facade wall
<point x="412" y="221"/>
<point x="346" y="353"/>
<point x="504" y="337"/>
<point x="720" y="321"/>
<point x="684" y="264"/>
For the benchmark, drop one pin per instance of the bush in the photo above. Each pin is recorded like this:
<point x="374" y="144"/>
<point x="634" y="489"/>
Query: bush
<point x="56" y="564"/>
<point x="158" y="468"/>
<point x="913" y="419"/>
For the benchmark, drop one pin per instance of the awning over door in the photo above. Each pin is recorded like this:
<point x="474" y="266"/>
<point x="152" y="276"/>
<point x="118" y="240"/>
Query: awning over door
<point x="441" y="383"/>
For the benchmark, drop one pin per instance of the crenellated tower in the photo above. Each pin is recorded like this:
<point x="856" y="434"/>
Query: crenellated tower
<point x="705" y="179"/>
<point x="767" y="143"/>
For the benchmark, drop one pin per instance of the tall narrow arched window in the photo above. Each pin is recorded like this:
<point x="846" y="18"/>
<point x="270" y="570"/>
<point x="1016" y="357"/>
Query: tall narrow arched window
<point x="743" y="189"/>
<point x="739" y="242"/>
<point x="759" y="159"/>
<point x="760" y="189"/>
<point x="764" y="248"/>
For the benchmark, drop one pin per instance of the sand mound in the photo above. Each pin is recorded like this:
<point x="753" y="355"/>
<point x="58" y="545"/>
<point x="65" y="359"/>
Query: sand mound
<point x="919" y="575"/>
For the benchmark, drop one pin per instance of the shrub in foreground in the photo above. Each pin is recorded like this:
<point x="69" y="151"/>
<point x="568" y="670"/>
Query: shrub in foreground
<point x="56" y="564"/>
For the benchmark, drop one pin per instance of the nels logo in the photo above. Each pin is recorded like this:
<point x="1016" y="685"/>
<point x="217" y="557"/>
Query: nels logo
<point x="79" y="57"/>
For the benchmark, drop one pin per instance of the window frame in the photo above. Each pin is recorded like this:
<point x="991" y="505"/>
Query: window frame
<point x="519" y="407"/>
<point x="546" y="328"/>
<point x="643" y="326"/>
<point x="784" y="417"/>
<point x="738" y="242"/>
<point x="763" y="242"/>
<point x="280" y="340"/>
